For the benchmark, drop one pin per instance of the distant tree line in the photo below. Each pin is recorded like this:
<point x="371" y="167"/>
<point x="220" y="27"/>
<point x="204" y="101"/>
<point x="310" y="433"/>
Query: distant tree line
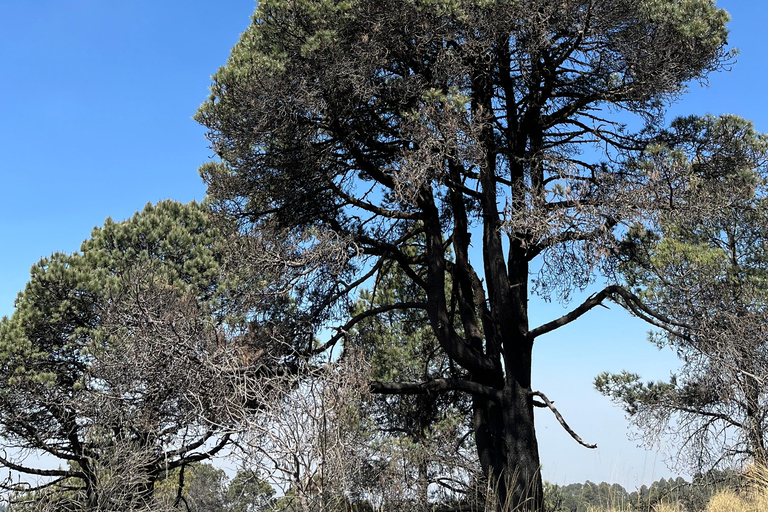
<point x="692" y="496"/>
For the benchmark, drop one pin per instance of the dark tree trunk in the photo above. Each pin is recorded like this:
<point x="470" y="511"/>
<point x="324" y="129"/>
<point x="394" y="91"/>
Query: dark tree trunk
<point x="90" y="484"/>
<point x="522" y="478"/>
<point x="508" y="450"/>
<point x="755" y="435"/>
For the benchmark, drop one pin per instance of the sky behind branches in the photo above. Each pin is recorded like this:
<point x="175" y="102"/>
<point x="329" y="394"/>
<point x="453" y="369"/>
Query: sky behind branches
<point x="98" y="99"/>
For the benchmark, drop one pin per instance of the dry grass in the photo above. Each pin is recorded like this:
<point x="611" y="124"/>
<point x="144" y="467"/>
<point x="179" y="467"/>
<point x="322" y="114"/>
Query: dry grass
<point x="753" y="497"/>
<point x="757" y="480"/>
<point x="729" y="501"/>
<point x="667" y="507"/>
<point x="724" y="501"/>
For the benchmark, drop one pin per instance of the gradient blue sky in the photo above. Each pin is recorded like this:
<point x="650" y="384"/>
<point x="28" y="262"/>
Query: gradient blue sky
<point x="97" y="122"/>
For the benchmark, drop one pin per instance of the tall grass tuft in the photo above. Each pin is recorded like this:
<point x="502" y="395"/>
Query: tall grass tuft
<point x="728" y="501"/>
<point x="668" y="507"/>
<point x="754" y="497"/>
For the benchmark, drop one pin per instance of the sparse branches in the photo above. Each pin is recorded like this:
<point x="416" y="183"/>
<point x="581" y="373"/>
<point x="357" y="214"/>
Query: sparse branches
<point x="699" y="265"/>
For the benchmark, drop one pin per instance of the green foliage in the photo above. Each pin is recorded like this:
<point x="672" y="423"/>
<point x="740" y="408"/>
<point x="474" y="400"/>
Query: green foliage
<point x="179" y="236"/>
<point x="627" y="389"/>
<point x="54" y="328"/>
<point x="104" y="346"/>
<point x="701" y="264"/>
<point x="248" y="492"/>
<point x="204" y="488"/>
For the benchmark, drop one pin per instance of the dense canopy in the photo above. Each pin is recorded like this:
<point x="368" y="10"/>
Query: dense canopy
<point x="481" y="146"/>
<point x="111" y="361"/>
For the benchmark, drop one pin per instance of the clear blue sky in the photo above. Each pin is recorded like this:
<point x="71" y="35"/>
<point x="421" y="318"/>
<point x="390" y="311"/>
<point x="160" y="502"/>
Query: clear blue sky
<point x="98" y="99"/>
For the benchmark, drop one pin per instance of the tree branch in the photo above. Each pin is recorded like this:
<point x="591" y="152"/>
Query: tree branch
<point x="551" y="406"/>
<point x="40" y="472"/>
<point x="372" y="208"/>
<point x="344" y="329"/>
<point x="572" y="236"/>
<point x="594" y="300"/>
<point x="636" y="306"/>
<point x="197" y="457"/>
<point x="28" y="488"/>
<point x="433" y="386"/>
<point x="630" y="301"/>
<point x="383" y="248"/>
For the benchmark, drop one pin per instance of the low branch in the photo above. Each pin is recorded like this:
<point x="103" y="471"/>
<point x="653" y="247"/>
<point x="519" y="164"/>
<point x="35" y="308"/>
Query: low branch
<point x="432" y="386"/>
<point x="39" y="472"/>
<point x="548" y="403"/>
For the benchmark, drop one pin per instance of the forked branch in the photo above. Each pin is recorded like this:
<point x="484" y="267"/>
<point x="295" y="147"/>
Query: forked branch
<point x="628" y="301"/>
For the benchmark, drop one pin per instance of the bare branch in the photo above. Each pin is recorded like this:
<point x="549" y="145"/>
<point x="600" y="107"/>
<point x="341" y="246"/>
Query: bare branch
<point x="594" y="300"/>
<point x="40" y="472"/>
<point x="630" y="301"/>
<point x="560" y="419"/>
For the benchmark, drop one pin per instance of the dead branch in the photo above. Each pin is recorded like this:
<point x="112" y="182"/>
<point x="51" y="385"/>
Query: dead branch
<point x="548" y="403"/>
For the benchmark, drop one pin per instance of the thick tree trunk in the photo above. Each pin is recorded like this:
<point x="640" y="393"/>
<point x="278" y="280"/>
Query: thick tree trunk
<point x="522" y="477"/>
<point x="505" y="431"/>
<point x="508" y="450"/>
